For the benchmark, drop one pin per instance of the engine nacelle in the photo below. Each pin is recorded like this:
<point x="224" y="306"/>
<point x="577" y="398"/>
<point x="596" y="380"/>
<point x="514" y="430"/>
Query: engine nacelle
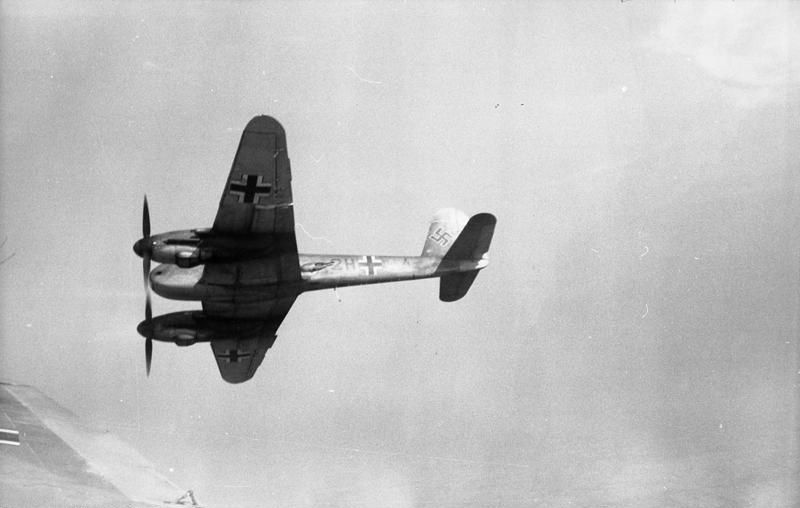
<point x="181" y="328"/>
<point x="184" y="339"/>
<point x="188" y="258"/>
<point x="190" y="327"/>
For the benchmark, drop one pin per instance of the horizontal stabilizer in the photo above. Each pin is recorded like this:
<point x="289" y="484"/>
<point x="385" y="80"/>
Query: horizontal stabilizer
<point x="454" y="286"/>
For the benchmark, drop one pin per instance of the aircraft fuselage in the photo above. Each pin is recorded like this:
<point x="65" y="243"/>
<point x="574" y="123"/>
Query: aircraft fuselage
<point x="317" y="271"/>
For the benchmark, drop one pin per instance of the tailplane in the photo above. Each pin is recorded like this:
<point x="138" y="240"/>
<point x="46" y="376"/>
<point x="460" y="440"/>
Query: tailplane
<point x="454" y="286"/>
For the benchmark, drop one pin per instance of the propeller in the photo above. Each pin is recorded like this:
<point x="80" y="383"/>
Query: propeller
<point x="143" y="248"/>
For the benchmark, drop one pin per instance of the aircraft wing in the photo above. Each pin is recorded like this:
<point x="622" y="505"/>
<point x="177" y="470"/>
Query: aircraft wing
<point x="257" y="200"/>
<point x="258" y="193"/>
<point x="238" y="359"/>
<point x="260" y="289"/>
<point x="49" y="457"/>
<point x="249" y="331"/>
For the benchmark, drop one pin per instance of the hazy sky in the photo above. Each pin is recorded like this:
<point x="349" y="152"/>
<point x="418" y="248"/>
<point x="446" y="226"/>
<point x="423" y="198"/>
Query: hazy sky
<point x="634" y="341"/>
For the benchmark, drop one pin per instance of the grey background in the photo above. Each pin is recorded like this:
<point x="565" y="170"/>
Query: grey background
<point x="633" y="342"/>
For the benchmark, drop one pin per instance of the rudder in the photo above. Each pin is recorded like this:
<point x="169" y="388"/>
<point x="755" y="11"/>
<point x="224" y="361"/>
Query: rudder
<point x="473" y="242"/>
<point x="472" y="245"/>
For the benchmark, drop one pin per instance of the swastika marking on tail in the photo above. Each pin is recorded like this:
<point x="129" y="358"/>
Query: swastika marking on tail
<point x="441" y="237"/>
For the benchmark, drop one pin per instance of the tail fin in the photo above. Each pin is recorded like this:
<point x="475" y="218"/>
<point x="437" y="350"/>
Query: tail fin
<point x="443" y="231"/>
<point x="472" y="244"/>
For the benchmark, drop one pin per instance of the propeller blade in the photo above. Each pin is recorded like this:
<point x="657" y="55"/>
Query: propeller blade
<point x="148" y="354"/>
<point x="146" y="252"/>
<point x="148" y="345"/>
<point x="146" y="272"/>
<point x="148" y="310"/>
<point x="145" y="219"/>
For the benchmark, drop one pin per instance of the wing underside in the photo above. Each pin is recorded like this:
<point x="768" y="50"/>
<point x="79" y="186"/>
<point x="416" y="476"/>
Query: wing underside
<point x="258" y="193"/>
<point x="49" y="457"/>
<point x="257" y="200"/>
<point x="250" y="330"/>
<point x="238" y="359"/>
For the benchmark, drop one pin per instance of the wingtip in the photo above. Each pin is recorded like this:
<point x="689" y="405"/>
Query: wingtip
<point x="264" y="123"/>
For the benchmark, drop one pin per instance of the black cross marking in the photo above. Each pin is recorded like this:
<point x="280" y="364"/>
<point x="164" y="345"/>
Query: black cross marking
<point x="233" y="355"/>
<point x="250" y="188"/>
<point x="370" y="263"/>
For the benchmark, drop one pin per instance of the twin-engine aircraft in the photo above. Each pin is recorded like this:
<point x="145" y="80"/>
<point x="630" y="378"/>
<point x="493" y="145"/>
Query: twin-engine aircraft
<point x="246" y="270"/>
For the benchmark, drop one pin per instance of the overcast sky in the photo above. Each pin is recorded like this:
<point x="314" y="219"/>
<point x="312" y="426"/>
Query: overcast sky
<point x="632" y="343"/>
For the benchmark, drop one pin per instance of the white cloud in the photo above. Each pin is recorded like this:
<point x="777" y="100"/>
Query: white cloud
<point x="748" y="46"/>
